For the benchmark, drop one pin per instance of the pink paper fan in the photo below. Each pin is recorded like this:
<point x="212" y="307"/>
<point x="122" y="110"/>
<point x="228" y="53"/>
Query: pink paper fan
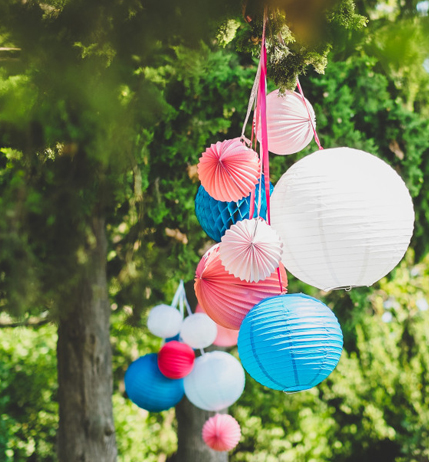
<point x="221" y="432"/>
<point x="225" y="337"/>
<point x="251" y="250"/>
<point x="288" y="124"/>
<point x="227" y="299"/>
<point x="229" y="170"/>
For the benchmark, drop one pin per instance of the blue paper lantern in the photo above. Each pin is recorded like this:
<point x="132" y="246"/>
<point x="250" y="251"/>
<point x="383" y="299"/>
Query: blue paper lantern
<point x="290" y="342"/>
<point x="216" y="217"/>
<point x="147" y="387"/>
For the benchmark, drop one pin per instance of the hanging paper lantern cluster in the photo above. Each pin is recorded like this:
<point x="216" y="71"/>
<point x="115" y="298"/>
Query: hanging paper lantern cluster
<point x="221" y="432"/>
<point x="289" y="126"/>
<point x="216" y="381"/>
<point x="215" y="217"/>
<point x="345" y="217"/>
<point x="227" y="299"/>
<point x="291" y="342"/>
<point x="229" y="170"/>
<point x="147" y="387"/>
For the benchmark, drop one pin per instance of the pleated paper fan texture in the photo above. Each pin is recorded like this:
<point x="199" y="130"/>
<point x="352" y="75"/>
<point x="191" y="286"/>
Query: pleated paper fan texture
<point x="229" y="170"/>
<point x="345" y="218"/>
<point x="227" y="299"/>
<point x="147" y="387"/>
<point x="291" y="342"/>
<point x="251" y="250"/>
<point x="221" y="432"/>
<point x="215" y="217"/>
<point x="288" y="124"/>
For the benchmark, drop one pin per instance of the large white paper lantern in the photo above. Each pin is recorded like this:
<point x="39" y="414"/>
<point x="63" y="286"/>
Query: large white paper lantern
<point x="198" y="330"/>
<point x="216" y="381"/>
<point x="164" y="321"/>
<point x="288" y="123"/>
<point x="345" y="217"/>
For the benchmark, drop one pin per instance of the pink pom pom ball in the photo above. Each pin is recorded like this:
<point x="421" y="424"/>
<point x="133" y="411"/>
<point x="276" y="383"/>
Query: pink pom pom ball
<point x="221" y="432"/>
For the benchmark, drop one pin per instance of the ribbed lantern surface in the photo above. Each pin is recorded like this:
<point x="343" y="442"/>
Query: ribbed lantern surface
<point x="215" y="217"/>
<point x="288" y="123"/>
<point x="148" y="388"/>
<point x="227" y="299"/>
<point x="216" y="381"/>
<point x="345" y="218"/>
<point x="221" y="432"/>
<point x="291" y="342"/>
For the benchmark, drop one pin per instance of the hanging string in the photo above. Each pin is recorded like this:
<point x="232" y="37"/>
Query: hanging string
<point x="316" y="138"/>
<point x="252" y="99"/>
<point x="262" y="105"/>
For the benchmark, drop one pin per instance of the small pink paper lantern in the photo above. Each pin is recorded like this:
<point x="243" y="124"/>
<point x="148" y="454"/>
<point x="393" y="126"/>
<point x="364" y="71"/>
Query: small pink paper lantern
<point x="227" y="299"/>
<point x="288" y="124"/>
<point x="221" y="432"/>
<point x="176" y="360"/>
<point x="229" y="170"/>
<point x="225" y="337"/>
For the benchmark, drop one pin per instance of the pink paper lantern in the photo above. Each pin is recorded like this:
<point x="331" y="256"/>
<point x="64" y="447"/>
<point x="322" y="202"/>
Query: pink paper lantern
<point x="288" y="124"/>
<point x="221" y="432"/>
<point x="227" y="299"/>
<point x="229" y="170"/>
<point x="225" y="337"/>
<point x="176" y="360"/>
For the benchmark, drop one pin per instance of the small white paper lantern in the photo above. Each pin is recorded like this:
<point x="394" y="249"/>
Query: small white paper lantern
<point x="345" y="217"/>
<point x="216" y="381"/>
<point x="164" y="321"/>
<point x="288" y="123"/>
<point x="198" y="330"/>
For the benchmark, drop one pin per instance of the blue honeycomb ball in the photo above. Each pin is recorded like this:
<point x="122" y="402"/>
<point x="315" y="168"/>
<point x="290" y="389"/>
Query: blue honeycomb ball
<point x="216" y="217"/>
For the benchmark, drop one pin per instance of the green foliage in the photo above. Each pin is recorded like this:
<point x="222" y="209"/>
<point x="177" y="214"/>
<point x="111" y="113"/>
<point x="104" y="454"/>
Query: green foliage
<point x="28" y="409"/>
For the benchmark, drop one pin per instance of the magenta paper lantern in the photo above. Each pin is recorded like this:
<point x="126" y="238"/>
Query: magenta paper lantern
<point x="227" y="299"/>
<point x="221" y="432"/>
<point x="229" y="170"/>
<point x="225" y="337"/>
<point x="288" y="124"/>
<point x="176" y="360"/>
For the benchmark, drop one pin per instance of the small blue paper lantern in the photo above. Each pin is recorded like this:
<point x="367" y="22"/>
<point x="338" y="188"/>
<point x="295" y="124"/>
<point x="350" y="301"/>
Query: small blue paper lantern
<point x="147" y="387"/>
<point x="290" y="342"/>
<point x="216" y="217"/>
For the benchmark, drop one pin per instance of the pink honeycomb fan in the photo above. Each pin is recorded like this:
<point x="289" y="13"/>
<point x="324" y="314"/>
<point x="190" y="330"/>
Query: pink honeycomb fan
<point x="229" y="170"/>
<point x="221" y="432"/>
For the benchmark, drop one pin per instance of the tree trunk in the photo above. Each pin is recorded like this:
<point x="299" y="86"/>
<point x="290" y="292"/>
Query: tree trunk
<point x="86" y="429"/>
<point x="191" y="447"/>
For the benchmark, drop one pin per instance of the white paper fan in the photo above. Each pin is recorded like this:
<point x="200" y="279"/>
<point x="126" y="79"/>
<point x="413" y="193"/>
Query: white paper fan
<point x="251" y="250"/>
